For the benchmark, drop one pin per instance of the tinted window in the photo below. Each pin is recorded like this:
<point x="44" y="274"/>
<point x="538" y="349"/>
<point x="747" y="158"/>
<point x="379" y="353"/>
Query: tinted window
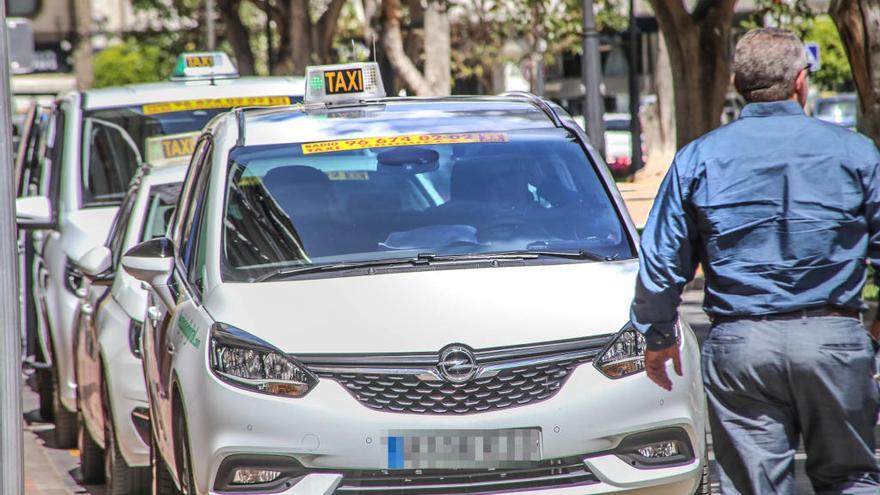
<point x="116" y="139"/>
<point x="163" y="199"/>
<point x="535" y="190"/>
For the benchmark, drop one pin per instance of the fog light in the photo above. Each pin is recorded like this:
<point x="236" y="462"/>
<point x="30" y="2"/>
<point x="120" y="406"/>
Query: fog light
<point x="660" y="449"/>
<point x="251" y="476"/>
<point x="656" y="449"/>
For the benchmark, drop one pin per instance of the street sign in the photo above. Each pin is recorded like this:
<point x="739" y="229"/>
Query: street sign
<point x="813" y="56"/>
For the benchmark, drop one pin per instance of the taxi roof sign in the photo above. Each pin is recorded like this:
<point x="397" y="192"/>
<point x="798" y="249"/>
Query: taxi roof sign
<point x="203" y="65"/>
<point x="343" y="84"/>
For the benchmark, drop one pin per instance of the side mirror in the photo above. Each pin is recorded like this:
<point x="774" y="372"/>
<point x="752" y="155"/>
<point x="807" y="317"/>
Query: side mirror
<point x="96" y="265"/>
<point x="33" y="212"/>
<point x="151" y="261"/>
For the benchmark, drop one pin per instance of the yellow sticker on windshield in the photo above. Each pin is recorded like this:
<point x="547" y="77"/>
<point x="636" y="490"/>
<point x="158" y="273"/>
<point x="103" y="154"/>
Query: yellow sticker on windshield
<point x="189" y="105"/>
<point x="415" y="140"/>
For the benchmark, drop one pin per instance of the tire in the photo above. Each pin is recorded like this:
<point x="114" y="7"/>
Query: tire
<point x="121" y="478"/>
<point x="705" y="486"/>
<point x="162" y="483"/>
<point x="46" y="391"/>
<point x="181" y="448"/>
<point x="66" y="430"/>
<point x="91" y="455"/>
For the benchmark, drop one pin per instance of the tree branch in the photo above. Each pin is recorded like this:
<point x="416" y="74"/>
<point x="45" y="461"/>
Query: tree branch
<point x="392" y="40"/>
<point x="327" y="28"/>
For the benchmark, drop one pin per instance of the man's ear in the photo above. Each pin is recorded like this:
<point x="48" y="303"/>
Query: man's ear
<point x="801" y="87"/>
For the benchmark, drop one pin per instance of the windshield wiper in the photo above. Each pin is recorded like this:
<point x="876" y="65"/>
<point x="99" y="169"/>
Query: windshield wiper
<point x="424" y="259"/>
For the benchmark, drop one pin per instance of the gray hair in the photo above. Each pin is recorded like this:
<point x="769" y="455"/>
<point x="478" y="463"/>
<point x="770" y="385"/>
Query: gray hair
<point x="766" y="64"/>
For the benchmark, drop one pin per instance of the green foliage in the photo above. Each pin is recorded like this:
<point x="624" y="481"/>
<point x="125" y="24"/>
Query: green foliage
<point x="835" y="73"/>
<point x="131" y="62"/>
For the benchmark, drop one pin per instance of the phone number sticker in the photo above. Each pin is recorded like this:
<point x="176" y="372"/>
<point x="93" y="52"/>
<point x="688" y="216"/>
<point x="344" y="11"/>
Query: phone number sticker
<point x="415" y="140"/>
<point x="188" y="105"/>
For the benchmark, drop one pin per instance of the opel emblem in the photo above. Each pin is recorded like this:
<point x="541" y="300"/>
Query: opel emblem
<point x="457" y="363"/>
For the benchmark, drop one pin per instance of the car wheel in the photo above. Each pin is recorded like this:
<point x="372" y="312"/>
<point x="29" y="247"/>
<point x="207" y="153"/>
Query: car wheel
<point x="65" y="421"/>
<point x="91" y="456"/>
<point x="121" y="478"/>
<point x="45" y="389"/>
<point x="705" y="486"/>
<point x="162" y="484"/>
<point x="184" y="463"/>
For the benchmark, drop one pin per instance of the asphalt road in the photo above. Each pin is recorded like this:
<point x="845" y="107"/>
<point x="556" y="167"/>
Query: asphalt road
<point x="56" y="471"/>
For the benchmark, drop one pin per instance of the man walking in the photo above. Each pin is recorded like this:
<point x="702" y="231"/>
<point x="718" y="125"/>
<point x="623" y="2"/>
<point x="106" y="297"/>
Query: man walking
<point x="782" y="211"/>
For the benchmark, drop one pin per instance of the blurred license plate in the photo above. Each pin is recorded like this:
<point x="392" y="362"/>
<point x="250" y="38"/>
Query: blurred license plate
<point x="462" y="449"/>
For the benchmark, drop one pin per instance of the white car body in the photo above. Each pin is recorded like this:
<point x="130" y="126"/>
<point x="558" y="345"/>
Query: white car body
<point x="77" y="228"/>
<point x="105" y="360"/>
<point x="206" y="426"/>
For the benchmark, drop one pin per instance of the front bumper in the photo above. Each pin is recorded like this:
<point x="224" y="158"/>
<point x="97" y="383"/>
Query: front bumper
<point x="328" y="430"/>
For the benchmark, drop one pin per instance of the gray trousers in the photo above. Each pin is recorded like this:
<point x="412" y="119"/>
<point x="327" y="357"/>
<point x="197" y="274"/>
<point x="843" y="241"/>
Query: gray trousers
<point x="769" y="382"/>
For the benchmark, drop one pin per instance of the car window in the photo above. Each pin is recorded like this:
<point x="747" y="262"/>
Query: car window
<point x="186" y="194"/>
<point x="50" y="180"/>
<point x="116" y="239"/>
<point x="192" y="214"/>
<point x="162" y="200"/>
<point x="292" y="205"/>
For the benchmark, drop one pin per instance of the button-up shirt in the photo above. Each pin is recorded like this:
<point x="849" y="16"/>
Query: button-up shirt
<point x="782" y="211"/>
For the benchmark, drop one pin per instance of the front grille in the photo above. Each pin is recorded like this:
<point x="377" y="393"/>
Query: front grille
<point x="508" y="377"/>
<point x="546" y="474"/>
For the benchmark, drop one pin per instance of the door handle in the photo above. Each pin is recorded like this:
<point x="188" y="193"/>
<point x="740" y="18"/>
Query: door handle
<point x="170" y="348"/>
<point x="87" y="309"/>
<point x="154" y="314"/>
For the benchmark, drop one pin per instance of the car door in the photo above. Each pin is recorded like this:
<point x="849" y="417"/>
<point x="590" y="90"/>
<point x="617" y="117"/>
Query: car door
<point x="165" y="331"/>
<point x="92" y="314"/>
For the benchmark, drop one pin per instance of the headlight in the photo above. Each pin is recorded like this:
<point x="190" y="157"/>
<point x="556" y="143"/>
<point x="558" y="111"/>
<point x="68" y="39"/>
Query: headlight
<point x="245" y="361"/>
<point x="624" y="355"/>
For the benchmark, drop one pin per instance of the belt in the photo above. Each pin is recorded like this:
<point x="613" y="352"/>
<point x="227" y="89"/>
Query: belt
<point x="793" y="315"/>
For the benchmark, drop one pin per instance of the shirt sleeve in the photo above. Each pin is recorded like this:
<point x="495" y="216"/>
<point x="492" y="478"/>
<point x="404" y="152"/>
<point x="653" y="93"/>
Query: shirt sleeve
<point x="871" y="185"/>
<point x="668" y="262"/>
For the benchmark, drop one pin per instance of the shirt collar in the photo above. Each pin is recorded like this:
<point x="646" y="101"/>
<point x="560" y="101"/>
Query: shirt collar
<point x="772" y="109"/>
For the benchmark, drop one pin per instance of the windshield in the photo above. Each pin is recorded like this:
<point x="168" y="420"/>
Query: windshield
<point x="528" y="190"/>
<point x="115" y="142"/>
<point x="163" y="199"/>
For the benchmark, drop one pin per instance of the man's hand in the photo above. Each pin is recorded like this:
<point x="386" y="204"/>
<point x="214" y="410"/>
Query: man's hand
<point x="655" y="363"/>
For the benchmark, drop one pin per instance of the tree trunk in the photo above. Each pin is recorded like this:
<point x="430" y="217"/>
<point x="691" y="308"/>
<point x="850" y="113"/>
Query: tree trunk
<point x="82" y="52"/>
<point x="858" y="22"/>
<point x="237" y="35"/>
<point x="300" y="28"/>
<point x="326" y="29"/>
<point x="658" y="119"/>
<point x="392" y="40"/>
<point x="697" y="45"/>
<point x="437" y="48"/>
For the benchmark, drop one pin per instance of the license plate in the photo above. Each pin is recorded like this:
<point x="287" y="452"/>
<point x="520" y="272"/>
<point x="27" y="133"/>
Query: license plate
<point x="463" y="449"/>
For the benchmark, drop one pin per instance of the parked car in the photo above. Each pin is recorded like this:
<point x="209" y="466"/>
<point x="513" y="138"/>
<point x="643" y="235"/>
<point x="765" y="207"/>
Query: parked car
<point x="842" y="110"/>
<point x="112" y="406"/>
<point x="99" y="139"/>
<point x="403" y="295"/>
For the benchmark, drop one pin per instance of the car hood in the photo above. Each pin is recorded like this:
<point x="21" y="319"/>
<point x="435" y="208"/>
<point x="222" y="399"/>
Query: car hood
<point x="424" y="311"/>
<point x="85" y="229"/>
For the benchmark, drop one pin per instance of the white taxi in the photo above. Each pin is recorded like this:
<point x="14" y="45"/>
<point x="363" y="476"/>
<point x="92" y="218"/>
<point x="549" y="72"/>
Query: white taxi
<point x="370" y="295"/>
<point x="98" y="139"/>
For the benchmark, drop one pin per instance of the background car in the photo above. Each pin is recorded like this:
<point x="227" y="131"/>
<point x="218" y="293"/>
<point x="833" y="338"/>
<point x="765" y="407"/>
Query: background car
<point x="99" y="139"/>
<point x="842" y="109"/>
<point x="371" y="295"/>
<point x="112" y="405"/>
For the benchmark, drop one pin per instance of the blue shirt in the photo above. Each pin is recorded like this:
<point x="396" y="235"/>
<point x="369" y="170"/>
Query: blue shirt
<point x="782" y="211"/>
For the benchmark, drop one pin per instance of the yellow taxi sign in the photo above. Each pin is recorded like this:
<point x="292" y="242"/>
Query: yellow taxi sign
<point x="171" y="148"/>
<point x="343" y="84"/>
<point x="208" y="103"/>
<point x="410" y="140"/>
<point x="203" y="65"/>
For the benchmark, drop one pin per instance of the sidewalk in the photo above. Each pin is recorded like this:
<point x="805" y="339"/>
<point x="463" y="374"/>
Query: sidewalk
<point x="639" y="197"/>
<point x="42" y="474"/>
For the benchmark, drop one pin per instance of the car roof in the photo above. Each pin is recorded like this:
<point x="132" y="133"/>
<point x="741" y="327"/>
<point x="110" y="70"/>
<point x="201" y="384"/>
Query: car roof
<point x="167" y="174"/>
<point x="391" y="117"/>
<point x="137" y="94"/>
